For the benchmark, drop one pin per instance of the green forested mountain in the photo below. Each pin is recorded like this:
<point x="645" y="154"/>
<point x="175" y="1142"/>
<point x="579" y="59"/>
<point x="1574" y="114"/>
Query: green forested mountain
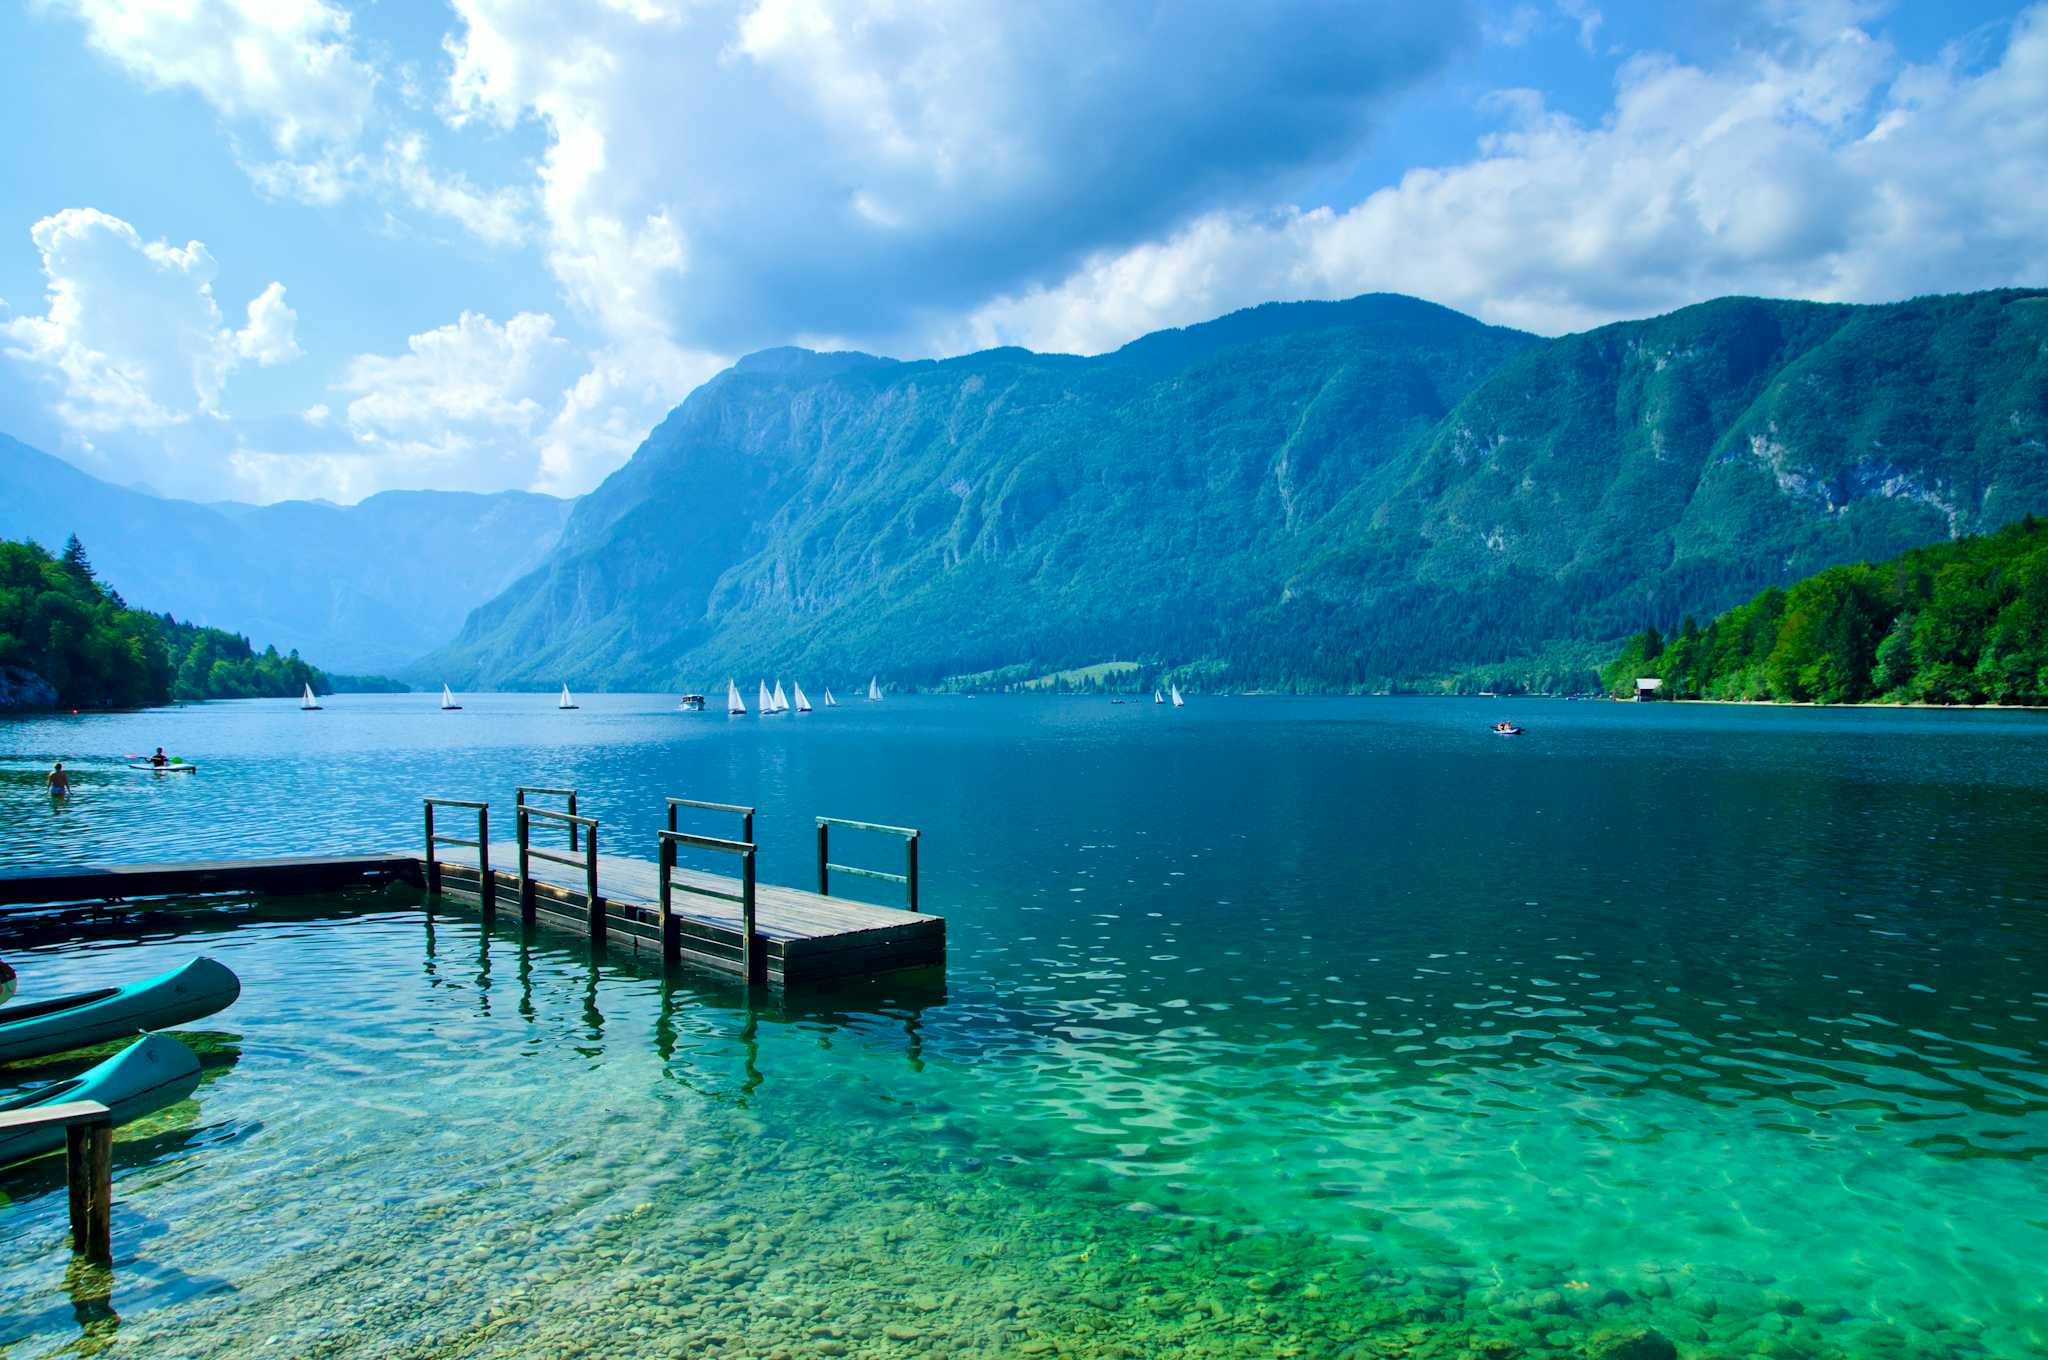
<point x="1340" y="494"/>
<point x="67" y="640"/>
<point x="1962" y="623"/>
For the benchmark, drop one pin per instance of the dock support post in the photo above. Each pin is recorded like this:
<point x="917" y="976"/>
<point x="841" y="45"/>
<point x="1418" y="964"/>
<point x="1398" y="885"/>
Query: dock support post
<point x="671" y="933"/>
<point x="572" y="825"/>
<point x="590" y="881"/>
<point x="910" y="867"/>
<point x="89" y="1168"/>
<point x="487" y="882"/>
<point x="747" y="951"/>
<point x="824" y="861"/>
<point x="433" y="869"/>
<point x="525" y="878"/>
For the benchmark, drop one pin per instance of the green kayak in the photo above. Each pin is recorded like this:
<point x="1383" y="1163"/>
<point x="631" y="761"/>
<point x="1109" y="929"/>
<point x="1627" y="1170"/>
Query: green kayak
<point x="37" y="1028"/>
<point x="151" y="1073"/>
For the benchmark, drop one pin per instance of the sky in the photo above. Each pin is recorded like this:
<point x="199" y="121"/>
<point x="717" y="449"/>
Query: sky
<point x="269" y="249"/>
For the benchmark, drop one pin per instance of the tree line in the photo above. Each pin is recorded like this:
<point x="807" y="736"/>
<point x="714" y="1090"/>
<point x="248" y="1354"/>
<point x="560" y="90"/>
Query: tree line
<point x="61" y="624"/>
<point x="1957" y="623"/>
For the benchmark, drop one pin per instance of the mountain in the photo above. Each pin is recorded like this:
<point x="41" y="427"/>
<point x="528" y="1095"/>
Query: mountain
<point x="367" y="587"/>
<point x="1345" y="494"/>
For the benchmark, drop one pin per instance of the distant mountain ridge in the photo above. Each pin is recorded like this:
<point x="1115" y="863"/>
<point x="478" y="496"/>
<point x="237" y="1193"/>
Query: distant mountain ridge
<point x="1359" y="494"/>
<point x="365" y="588"/>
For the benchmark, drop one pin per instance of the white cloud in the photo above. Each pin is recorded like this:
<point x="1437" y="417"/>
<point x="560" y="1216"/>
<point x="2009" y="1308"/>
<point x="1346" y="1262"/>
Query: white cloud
<point x="132" y="337"/>
<point x="1827" y="169"/>
<point x="286" y="64"/>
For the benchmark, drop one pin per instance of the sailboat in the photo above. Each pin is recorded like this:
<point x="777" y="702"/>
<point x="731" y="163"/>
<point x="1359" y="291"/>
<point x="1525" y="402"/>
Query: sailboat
<point x="448" y="704"/>
<point x="733" y="706"/>
<point x="566" y="701"/>
<point x="874" y="690"/>
<point x="803" y="705"/>
<point x="307" y="703"/>
<point x="1177" y="700"/>
<point x="1157" y="697"/>
<point x="830" y="702"/>
<point x="781" y="699"/>
<point x="763" y="704"/>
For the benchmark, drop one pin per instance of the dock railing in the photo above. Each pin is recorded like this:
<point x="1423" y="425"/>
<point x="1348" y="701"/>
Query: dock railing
<point x="487" y="886"/>
<point x="745" y="814"/>
<point x="519" y="801"/>
<point x="908" y="878"/>
<point x="751" y="961"/>
<point x="587" y="861"/>
<point x="88" y="1168"/>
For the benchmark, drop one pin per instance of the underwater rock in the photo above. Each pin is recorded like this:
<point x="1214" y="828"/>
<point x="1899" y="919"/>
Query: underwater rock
<point x="1632" y="1343"/>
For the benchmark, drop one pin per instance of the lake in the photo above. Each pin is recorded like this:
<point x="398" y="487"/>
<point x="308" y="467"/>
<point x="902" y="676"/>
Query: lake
<point x="1270" y="1026"/>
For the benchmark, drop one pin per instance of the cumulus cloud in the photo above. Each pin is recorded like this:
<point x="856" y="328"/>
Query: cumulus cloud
<point x="133" y="338"/>
<point x="286" y="64"/>
<point x="1823" y="167"/>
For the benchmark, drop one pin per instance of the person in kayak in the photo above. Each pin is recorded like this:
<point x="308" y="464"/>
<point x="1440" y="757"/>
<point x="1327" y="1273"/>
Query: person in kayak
<point x="58" y="782"/>
<point x="159" y="759"/>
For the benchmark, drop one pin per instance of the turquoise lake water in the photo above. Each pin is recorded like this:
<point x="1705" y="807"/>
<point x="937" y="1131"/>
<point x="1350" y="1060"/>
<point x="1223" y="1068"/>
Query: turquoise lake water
<point x="1270" y="1027"/>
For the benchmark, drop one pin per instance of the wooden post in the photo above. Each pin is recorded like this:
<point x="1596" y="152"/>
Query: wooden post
<point x="747" y="917"/>
<point x="671" y="940"/>
<point x="572" y="825"/>
<point x="433" y="872"/>
<point x="89" y="1167"/>
<point x="910" y="867"/>
<point x="824" y="858"/>
<point x="487" y="884"/>
<point x="590" y="882"/>
<point x="525" y="879"/>
<point x="671" y="816"/>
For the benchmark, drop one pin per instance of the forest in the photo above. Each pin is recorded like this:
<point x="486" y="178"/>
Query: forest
<point x="1964" y="622"/>
<point x="67" y="640"/>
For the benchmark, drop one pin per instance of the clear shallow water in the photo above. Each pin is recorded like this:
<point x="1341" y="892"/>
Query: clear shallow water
<point x="1269" y="1024"/>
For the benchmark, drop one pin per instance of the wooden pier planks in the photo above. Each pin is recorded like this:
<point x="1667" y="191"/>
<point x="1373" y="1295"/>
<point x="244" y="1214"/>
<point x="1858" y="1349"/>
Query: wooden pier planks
<point x="279" y="875"/>
<point x="801" y="936"/>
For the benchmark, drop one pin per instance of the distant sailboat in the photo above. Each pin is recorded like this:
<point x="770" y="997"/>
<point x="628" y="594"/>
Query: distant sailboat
<point x="1177" y="700"/>
<point x="830" y="702"/>
<point x="448" y="703"/>
<point x="566" y="701"/>
<point x="763" y="703"/>
<point x="307" y="702"/>
<point x="803" y="705"/>
<point x="1157" y="697"/>
<point x="733" y="706"/>
<point x="874" y="689"/>
<point x="781" y="699"/>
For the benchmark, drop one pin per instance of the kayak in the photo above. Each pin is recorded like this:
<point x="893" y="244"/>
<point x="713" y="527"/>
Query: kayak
<point x="1507" y="731"/>
<point x="198" y="988"/>
<point x="175" y="767"/>
<point x="154" y="1071"/>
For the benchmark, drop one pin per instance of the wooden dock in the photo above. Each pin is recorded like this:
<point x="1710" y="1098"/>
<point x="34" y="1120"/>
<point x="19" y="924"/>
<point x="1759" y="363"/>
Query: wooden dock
<point x="772" y="935"/>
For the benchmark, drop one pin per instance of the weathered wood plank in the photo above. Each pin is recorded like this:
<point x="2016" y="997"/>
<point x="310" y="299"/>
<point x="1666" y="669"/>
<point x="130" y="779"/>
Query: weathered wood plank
<point x="279" y="875"/>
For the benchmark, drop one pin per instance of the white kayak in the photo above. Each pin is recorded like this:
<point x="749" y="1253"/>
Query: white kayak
<point x="174" y="767"/>
<point x="186" y="993"/>
<point x="151" y="1073"/>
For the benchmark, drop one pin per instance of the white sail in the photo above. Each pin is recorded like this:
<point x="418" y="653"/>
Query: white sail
<point x="781" y="699"/>
<point x="733" y="704"/>
<point x="448" y="699"/>
<point x="307" y="701"/>
<point x="1157" y="697"/>
<point x="803" y="705"/>
<point x="1177" y="700"/>
<point x="565" y="701"/>
<point x="763" y="704"/>
<point x="874" y="689"/>
<point x="830" y="702"/>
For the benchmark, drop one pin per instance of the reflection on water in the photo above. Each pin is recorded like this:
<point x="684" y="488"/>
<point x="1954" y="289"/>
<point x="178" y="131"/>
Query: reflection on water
<point x="1269" y="1026"/>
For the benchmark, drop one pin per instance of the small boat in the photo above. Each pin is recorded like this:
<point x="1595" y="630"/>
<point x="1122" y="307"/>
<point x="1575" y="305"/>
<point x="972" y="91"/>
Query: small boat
<point x="1116" y="701"/>
<point x="1157" y="697"/>
<point x="448" y="704"/>
<point x="803" y="705"/>
<point x="566" y="701"/>
<point x="1502" y="729"/>
<point x="185" y="993"/>
<point x="764" y="702"/>
<point x="830" y="702"/>
<point x="151" y="1073"/>
<point x="781" y="699"/>
<point x="168" y="767"/>
<point x="734" y="707"/>
<point x="307" y="703"/>
<point x="692" y="703"/>
<point x="874" y="689"/>
<point x="1178" y="702"/>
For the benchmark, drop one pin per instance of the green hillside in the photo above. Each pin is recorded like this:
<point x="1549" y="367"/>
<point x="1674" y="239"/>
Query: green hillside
<point x="1957" y="623"/>
<point x="1353" y="495"/>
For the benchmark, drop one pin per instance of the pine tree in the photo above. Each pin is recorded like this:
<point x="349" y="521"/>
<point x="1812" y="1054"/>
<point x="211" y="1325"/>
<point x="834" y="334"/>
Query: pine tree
<point x="76" y="562"/>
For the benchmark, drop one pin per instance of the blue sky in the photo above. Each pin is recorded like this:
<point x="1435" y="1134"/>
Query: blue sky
<point x="277" y="248"/>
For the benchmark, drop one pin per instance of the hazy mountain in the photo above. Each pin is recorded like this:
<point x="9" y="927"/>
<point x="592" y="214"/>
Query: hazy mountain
<point x="364" y="588"/>
<point x="1311" y="493"/>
